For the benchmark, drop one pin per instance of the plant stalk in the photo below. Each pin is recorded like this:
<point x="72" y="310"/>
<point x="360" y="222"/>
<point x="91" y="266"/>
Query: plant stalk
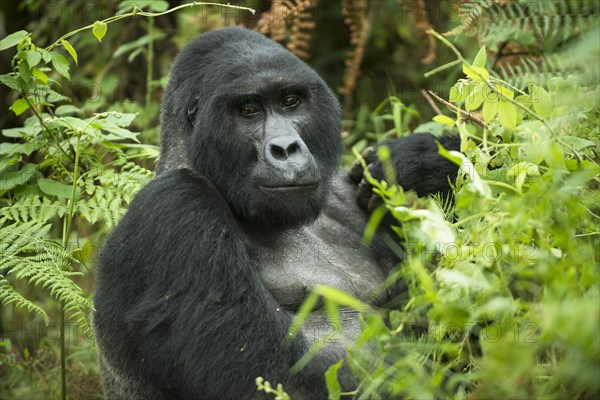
<point x="66" y="231"/>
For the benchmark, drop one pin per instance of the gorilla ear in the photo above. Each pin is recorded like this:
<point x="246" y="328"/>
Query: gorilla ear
<point x="191" y="112"/>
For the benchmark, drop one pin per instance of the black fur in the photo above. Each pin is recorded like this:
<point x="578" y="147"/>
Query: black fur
<point x="419" y="167"/>
<point x="188" y="303"/>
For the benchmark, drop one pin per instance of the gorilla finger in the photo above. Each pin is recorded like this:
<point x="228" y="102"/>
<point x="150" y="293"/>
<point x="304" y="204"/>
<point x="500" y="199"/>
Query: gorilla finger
<point x="364" y="194"/>
<point x="368" y="153"/>
<point x="374" y="202"/>
<point x="356" y="172"/>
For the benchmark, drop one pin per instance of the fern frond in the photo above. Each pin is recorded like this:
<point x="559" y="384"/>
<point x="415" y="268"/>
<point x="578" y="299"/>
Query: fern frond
<point x="110" y="192"/>
<point x="8" y="295"/>
<point x="302" y="29"/>
<point x="531" y="69"/>
<point x="355" y="13"/>
<point x="446" y="204"/>
<point x="26" y="255"/>
<point x="33" y="208"/>
<point x="105" y="205"/>
<point x="290" y="21"/>
<point x="561" y="18"/>
<point x="421" y="20"/>
<point x="531" y="37"/>
<point x="469" y="13"/>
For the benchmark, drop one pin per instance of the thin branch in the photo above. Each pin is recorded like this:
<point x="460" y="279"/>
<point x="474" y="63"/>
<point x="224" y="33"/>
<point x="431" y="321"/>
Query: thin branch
<point x="464" y="114"/>
<point x="431" y="102"/>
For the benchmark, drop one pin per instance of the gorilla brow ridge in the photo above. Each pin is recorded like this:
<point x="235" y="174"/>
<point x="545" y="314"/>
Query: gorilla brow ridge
<point x="267" y="85"/>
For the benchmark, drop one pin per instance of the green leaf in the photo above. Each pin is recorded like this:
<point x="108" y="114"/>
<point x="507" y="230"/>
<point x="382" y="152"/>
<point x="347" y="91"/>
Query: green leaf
<point x="47" y="56"/>
<point x="19" y="106"/>
<point x="507" y="114"/>
<point x="118" y="119"/>
<point x="332" y="382"/>
<point x="72" y="123"/>
<point x="116" y="133"/>
<point x="307" y="306"/>
<point x="505" y="91"/>
<point x="20" y="132"/>
<point x="477" y="74"/>
<point x="132" y="56"/>
<point x="61" y="65"/>
<point x="54" y="188"/>
<point x="578" y="143"/>
<point x="99" y="30"/>
<point x="25" y="72"/>
<point x="475" y="98"/>
<point x="587" y="171"/>
<point x="554" y="156"/>
<point x="146" y="5"/>
<point x="340" y="297"/>
<point x="67" y="109"/>
<point x="40" y="75"/>
<point x="443" y="119"/>
<point x="542" y="102"/>
<point x="449" y="156"/>
<point x="454" y="95"/>
<point x="70" y="49"/>
<point x="460" y="91"/>
<point x="55" y="97"/>
<point x="13" y="39"/>
<point x="480" y="58"/>
<point x="140" y="42"/>
<point x="14" y="178"/>
<point x="11" y="81"/>
<point x="522" y="170"/>
<point x="524" y="99"/>
<point x="373" y="224"/>
<point x="158" y="6"/>
<point x="490" y="106"/>
<point x="33" y="57"/>
<point x="497" y="307"/>
<point x="18" y="148"/>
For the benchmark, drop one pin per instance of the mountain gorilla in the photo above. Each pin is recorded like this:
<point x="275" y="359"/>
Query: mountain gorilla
<point x="200" y="281"/>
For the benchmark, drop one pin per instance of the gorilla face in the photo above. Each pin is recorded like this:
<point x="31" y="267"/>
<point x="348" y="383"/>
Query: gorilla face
<point x="261" y="125"/>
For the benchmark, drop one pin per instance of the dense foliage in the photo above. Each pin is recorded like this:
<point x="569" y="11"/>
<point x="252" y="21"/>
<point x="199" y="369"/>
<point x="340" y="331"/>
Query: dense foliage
<point x="503" y="282"/>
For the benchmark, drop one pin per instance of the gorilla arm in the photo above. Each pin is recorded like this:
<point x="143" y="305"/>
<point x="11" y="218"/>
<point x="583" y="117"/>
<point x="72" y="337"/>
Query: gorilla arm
<point x="182" y="311"/>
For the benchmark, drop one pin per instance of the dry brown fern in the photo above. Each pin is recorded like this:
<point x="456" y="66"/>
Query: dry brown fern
<point x="290" y="22"/>
<point x="421" y="20"/>
<point x="355" y="13"/>
<point x="302" y="29"/>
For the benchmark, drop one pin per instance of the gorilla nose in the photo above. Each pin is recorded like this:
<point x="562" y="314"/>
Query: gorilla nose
<point x="283" y="148"/>
<point x="289" y="162"/>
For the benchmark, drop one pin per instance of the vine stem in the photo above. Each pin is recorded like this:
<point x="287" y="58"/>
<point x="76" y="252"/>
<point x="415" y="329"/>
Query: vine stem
<point x="137" y="11"/>
<point x="441" y="68"/>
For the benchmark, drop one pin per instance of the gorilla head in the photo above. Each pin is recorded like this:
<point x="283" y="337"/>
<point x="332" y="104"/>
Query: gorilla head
<point x="255" y="120"/>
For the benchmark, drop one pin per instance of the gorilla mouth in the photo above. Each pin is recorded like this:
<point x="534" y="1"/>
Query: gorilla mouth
<point x="289" y="189"/>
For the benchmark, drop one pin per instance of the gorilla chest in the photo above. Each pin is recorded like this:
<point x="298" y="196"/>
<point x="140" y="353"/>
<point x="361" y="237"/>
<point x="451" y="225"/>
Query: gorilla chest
<point x="291" y="264"/>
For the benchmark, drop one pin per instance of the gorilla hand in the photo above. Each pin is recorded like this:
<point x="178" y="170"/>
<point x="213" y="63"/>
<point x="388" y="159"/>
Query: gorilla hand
<point x="417" y="164"/>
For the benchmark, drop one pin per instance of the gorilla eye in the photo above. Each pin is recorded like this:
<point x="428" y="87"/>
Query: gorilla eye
<point x="291" y="101"/>
<point x="249" y="110"/>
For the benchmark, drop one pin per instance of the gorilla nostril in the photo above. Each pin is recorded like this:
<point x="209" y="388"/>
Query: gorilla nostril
<point x="293" y="148"/>
<point x="278" y="152"/>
